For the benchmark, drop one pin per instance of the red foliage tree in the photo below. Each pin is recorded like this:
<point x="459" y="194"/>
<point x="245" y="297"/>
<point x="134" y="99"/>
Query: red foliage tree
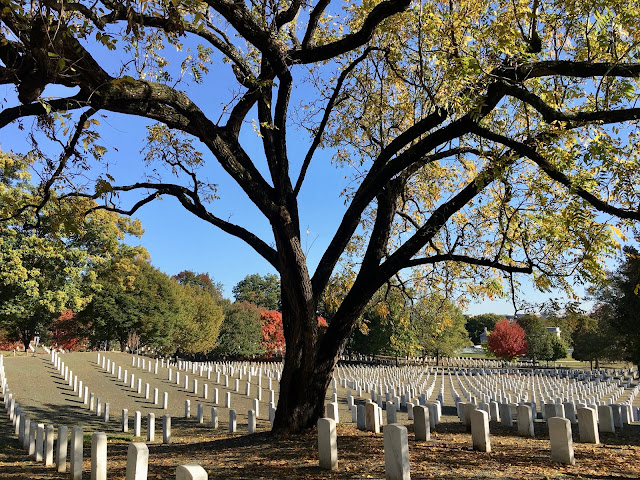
<point x="273" y="333"/>
<point x="8" y="345"/>
<point x="66" y="332"/>
<point x="506" y="341"/>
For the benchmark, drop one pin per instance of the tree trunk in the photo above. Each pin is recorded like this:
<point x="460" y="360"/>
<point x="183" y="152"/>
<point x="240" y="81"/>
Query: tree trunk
<point x="310" y="357"/>
<point x="26" y="340"/>
<point x="304" y="381"/>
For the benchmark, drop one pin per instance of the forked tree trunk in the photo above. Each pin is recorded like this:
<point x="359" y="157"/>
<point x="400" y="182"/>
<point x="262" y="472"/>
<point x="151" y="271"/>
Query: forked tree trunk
<point x="310" y="357"/>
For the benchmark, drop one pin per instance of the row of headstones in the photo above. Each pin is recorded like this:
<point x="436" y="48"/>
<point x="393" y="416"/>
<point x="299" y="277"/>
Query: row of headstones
<point x="486" y="393"/>
<point x="610" y="417"/>
<point x="193" y="386"/>
<point x="41" y="448"/>
<point x="389" y="382"/>
<point x="110" y="367"/>
<point x="544" y="387"/>
<point x="369" y="415"/>
<point x="226" y="368"/>
<point x="38" y="440"/>
<point x="252" y="414"/>
<point x="353" y="376"/>
<point x="497" y="388"/>
<point x="123" y="375"/>
<point x="209" y="367"/>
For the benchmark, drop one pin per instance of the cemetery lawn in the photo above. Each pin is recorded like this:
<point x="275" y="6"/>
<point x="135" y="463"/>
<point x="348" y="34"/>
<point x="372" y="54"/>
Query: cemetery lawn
<point x="448" y="455"/>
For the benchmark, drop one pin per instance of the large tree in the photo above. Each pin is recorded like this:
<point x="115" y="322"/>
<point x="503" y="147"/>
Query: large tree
<point x="439" y="327"/>
<point x="48" y="258"/>
<point x="618" y="312"/>
<point x="487" y="138"/>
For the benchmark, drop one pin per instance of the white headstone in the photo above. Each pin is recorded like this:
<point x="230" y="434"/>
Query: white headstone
<point x="421" y="423"/>
<point x="396" y="452"/>
<point x="191" y="472"/>
<point x="561" y="441"/>
<point x="587" y="426"/>
<point x="61" y="448"/>
<point x="75" y="460"/>
<point x="480" y="430"/>
<point x="327" y="444"/>
<point x="151" y="427"/>
<point x="137" y="461"/>
<point x="525" y="421"/>
<point x="99" y="456"/>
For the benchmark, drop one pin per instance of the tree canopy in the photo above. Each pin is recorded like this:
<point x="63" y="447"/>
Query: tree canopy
<point x="618" y="311"/>
<point x="507" y="340"/>
<point x="487" y="139"/>
<point x="48" y="257"/>
<point x="263" y="291"/>
<point x="438" y="327"/>
<point x="476" y="324"/>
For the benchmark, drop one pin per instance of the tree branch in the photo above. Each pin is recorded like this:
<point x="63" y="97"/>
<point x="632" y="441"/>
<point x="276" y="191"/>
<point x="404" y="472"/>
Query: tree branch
<point x="520" y="73"/>
<point x="531" y="153"/>
<point x="192" y="203"/>
<point x="314" y="18"/>
<point x="351" y="41"/>
<point x="11" y="114"/>
<point x="325" y="118"/>
<point x="550" y="114"/>
<point x="484" y="262"/>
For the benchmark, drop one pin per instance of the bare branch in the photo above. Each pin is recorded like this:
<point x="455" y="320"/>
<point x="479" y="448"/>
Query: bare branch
<point x="192" y="203"/>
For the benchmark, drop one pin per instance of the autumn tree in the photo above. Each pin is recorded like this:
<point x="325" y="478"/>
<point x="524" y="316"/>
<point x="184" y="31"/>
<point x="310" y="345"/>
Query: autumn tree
<point x="439" y="327"/>
<point x="507" y="340"/>
<point x="48" y="256"/>
<point x="487" y="139"/>
<point x="272" y="332"/>
<point x="67" y="333"/>
<point x="201" y="281"/>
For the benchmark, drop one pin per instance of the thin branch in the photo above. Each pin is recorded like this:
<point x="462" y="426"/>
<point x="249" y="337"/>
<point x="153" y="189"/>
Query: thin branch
<point x="314" y="18"/>
<point x="325" y="118"/>
<point x="8" y="115"/>
<point x="483" y="262"/>
<point x="192" y="203"/>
